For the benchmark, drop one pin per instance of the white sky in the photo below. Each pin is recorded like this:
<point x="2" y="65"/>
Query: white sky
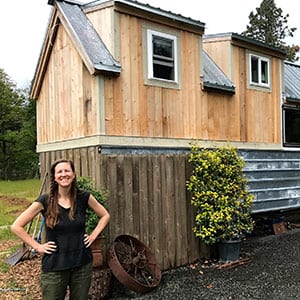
<point x="23" y="25"/>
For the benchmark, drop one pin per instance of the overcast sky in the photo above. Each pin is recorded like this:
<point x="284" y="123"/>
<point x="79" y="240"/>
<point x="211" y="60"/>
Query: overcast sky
<point x="23" y="25"/>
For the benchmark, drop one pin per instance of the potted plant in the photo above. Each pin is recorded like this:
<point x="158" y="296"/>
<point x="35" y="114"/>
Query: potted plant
<point x="92" y="219"/>
<point x="219" y="192"/>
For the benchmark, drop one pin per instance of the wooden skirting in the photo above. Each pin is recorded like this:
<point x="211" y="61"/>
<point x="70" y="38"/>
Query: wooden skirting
<point x="147" y="199"/>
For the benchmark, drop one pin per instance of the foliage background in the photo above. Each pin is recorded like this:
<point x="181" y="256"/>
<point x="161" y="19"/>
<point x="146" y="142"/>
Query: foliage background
<point x="18" y="157"/>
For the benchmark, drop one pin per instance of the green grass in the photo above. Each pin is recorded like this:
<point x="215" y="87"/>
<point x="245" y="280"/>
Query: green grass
<point x="28" y="189"/>
<point x="6" y="234"/>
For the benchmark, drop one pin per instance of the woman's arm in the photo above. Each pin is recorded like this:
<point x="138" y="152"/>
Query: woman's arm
<point x="104" y="216"/>
<point x="18" y="229"/>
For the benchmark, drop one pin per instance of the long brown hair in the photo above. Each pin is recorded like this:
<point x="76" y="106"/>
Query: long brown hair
<point x="52" y="209"/>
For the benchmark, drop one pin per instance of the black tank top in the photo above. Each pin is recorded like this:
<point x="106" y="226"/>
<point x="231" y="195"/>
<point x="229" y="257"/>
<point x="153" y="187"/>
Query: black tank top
<point x="68" y="236"/>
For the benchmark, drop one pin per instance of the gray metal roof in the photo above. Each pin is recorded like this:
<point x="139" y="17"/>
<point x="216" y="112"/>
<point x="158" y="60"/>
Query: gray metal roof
<point x="292" y="81"/>
<point x="240" y="38"/>
<point x="88" y="38"/>
<point x="214" y="78"/>
<point x="151" y="9"/>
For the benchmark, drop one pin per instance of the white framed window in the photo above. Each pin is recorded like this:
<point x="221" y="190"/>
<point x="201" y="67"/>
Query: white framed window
<point x="162" y="56"/>
<point x="259" y="70"/>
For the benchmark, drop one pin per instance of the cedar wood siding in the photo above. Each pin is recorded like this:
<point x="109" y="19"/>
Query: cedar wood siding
<point x="125" y="106"/>
<point x="258" y="113"/>
<point x="135" y="109"/>
<point x="67" y="106"/>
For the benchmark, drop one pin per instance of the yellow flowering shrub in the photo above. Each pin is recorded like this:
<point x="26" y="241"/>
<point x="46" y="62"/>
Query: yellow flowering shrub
<point x="218" y="189"/>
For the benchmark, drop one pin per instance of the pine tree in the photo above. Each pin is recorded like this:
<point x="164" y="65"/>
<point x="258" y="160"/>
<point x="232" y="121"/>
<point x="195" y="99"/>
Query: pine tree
<point x="270" y="26"/>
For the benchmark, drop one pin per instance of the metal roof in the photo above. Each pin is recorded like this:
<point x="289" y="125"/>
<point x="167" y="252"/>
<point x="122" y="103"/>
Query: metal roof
<point x="214" y="78"/>
<point x="151" y="9"/>
<point x="88" y="38"/>
<point x="292" y="81"/>
<point x="250" y="41"/>
<point x="102" y="60"/>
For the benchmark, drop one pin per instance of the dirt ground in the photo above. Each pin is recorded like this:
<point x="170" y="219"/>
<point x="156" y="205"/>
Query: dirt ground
<point x="15" y="201"/>
<point x="275" y="258"/>
<point x="22" y="280"/>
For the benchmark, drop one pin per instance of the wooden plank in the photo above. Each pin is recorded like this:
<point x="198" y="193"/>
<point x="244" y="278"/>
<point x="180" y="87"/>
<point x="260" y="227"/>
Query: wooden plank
<point x="168" y="210"/>
<point x="84" y="162"/>
<point x="135" y="196"/>
<point x="155" y="207"/>
<point x="153" y="98"/>
<point x="101" y="171"/>
<point x="143" y="199"/>
<point x="193" y="248"/>
<point x="126" y="88"/>
<point x="134" y="61"/>
<point x="121" y="208"/>
<point x="113" y="200"/>
<point x="181" y="242"/>
<point x="128" y="194"/>
<point x="76" y="160"/>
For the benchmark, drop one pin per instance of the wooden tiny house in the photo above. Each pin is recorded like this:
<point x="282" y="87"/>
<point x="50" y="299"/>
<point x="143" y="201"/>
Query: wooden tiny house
<point x="123" y="88"/>
<point x="257" y="103"/>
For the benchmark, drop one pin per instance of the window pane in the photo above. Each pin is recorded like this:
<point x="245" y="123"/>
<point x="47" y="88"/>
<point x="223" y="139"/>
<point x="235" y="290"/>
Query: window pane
<point x="163" y="58"/>
<point x="254" y="69"/>
<point x="164" y="72"/>
<point x="291" y="126"/>
<point x="264" y="72"/>
<point x="162" y="46"/>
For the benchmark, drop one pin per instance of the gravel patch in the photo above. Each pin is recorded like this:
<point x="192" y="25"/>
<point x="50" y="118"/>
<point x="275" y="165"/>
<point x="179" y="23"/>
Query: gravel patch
<point x="272" y="272"/>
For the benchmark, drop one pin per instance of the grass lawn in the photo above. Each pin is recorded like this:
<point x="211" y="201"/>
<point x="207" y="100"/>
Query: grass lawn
<point x="15" y="197"/>
<point x="28" y="189"/>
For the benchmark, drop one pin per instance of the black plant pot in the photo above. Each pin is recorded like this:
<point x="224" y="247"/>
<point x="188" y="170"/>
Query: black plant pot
<point x="229" y="250"/>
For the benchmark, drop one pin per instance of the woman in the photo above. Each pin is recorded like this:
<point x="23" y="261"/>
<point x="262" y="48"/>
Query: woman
<point x="66" y="254"/>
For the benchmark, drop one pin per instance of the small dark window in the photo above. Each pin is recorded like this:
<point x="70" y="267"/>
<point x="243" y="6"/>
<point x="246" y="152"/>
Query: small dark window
<point x="264" y="72"/>
<point x="291" y="125"/>
<point x="254" y="69"/>
<point x="162" y="56"/>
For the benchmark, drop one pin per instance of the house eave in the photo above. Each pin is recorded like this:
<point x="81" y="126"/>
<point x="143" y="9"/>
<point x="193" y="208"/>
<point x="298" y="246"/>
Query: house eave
<point x="292" y="99"/>
<point x="247" y="43"/>
<point x="214" y="87"/>
<point x="149" y="12"/>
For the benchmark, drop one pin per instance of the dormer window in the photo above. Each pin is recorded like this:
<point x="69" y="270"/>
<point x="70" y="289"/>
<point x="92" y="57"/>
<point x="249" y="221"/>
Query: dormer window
<point x="259" y="70"/>
<point x="162" y="56"/>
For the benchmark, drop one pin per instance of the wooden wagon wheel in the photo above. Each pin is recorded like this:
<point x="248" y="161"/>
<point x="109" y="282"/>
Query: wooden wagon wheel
<point x="133" y="264"/>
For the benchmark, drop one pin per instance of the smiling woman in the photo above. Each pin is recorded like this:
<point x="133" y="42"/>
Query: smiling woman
<point x="66" y="254"/>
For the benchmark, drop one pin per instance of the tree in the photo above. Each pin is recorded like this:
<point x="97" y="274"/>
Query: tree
<point x="18" y="158"/>
<point x="268" y="25"/>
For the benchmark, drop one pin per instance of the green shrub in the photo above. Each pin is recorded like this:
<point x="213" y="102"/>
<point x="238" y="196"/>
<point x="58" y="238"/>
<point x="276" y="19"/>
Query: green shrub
<point x="219" y="193"/>
<point x="86" y="183"/>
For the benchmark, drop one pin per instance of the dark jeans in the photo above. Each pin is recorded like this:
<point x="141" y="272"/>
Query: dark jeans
<point x="54" y="284"/>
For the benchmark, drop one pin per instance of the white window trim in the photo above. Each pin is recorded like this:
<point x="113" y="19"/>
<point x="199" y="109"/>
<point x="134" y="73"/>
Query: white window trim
<point x="260" y="59"/>
<point x="150" y="33"/>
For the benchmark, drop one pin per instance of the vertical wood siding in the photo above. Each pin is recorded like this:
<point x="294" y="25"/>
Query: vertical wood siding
<point x="147" y="198"/>
<point x="67" y="104"/>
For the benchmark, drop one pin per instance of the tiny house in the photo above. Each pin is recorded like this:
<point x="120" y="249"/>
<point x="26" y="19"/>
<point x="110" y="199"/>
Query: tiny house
<point x="123" y="88"/>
